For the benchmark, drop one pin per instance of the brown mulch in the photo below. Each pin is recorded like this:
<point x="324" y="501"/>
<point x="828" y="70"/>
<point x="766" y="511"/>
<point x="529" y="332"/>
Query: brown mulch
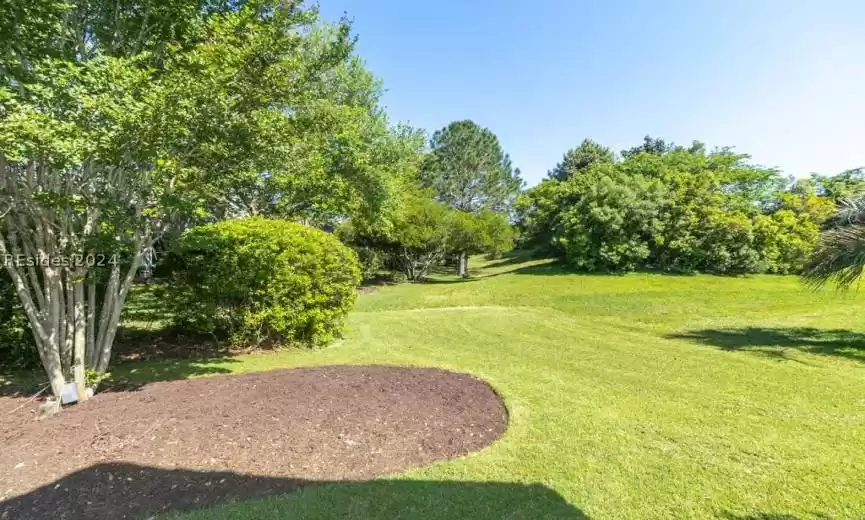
<point x="188" y="444"/>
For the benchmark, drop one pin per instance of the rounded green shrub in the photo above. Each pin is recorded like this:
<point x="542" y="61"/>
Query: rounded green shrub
<point x="263" y="281"/>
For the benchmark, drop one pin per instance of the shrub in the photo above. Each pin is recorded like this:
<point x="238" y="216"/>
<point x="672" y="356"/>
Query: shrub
<point x="611" y="225"/>
<point x="257" y="280"/>
<point x="786" y="239"/>
<point x="728" y="244"/>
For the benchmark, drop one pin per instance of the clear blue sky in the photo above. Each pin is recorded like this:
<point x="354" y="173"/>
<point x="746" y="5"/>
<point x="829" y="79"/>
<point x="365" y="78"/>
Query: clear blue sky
<point x="783" y="81"/>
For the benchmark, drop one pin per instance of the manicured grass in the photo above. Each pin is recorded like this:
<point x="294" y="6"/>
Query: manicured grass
<point x="630" y="397"/>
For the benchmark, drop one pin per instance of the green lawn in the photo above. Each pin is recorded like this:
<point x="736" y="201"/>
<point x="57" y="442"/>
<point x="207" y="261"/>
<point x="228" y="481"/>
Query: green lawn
<point x="639" y="396"/>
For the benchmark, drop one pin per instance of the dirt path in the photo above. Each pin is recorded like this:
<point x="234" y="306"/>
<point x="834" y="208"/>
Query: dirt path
<point x="187" y="444"/>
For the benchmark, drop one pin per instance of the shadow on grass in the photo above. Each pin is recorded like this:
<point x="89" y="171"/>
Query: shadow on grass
<point x="773" y="342"/>
<point x="20" y="383"/>
<point x="768" y="516"/>
<point x="480" y="273"/>
<point x="557" y="268"/>
<point x="516" y="256"/>
<point x="168" y="342"/>
<point x="551" y="269"/>
<point x="122" y="490"/>
<point x="140" y="357"/>
<point x="133" y="375"/>
<point x="147" y="303"/>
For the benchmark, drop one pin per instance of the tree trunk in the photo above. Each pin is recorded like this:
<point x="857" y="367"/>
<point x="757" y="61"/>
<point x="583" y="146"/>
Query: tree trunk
<point x="79" y="341"/>
<point x="90" y="345"/>
<point x="464" y="264"/>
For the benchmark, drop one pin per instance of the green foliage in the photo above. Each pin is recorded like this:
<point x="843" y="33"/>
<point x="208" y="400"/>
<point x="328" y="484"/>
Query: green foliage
<point x="467" y="170"/>
<point x="613" y="220"/>
<point x="840" y="253"/>
<point x="675" y="209"/>
<point x="420" y="236"/>
<point x="210" y="108"/>
<point x="786" y="239"/>
<point x="94" y="378"/>
<point x="846" y="185"/>
<point x="124" y="122"/>
<point x="423" y="233"/>
<point x="651" y="145"/>
<point x="578" y="160"/>
<point x="727" y="244"/>
<point x="258" y="280"/>
<point x="485" y="232"/>
<point x="17" y="349"/>
<point x="538" y="213"/>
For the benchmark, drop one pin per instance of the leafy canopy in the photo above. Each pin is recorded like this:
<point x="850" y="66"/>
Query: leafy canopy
<point x="674" y="208"/>
<point x="578" y="160"/>
<point x="467" y="169"/>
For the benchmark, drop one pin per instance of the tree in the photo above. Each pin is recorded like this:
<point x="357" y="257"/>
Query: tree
<point x="343" y="158"/>
<point x="578" y="160"/>
<point x="614" y="221"/>
<point x="840" y="253"/>
<point x="845" y="185"/>
<point x="118" y="116"/>
<point x="424" y="231"/>
<point x="420" y="235"/>
<point x="651" y="145"/>
<point x="484" y="232"/>
<point x="539" y="210"/>
<point x="468" y="171"/>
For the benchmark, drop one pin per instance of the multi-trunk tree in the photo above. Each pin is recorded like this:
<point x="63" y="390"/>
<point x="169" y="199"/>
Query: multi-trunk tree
<point x="122" y="120"/>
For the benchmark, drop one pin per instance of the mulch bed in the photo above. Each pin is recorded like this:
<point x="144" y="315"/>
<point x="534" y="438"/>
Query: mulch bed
<point x="188" y="444"/>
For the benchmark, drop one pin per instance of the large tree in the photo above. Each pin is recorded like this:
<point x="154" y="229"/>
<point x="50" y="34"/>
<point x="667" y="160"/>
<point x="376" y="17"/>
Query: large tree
<point x="116" y="117"/>
<point x="578" y="160"/>
<point x="467" y="170"/>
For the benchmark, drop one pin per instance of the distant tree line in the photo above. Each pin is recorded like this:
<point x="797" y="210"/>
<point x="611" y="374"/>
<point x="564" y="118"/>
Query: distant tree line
<point x="678" y="208"/>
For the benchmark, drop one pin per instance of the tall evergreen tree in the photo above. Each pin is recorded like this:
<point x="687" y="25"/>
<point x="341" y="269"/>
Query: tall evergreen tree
<point x="579" y="159"/>
<point x="468" y="170"/>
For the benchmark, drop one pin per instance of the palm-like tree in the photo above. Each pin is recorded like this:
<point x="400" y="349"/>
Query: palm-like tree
<point x="840" y="255"/>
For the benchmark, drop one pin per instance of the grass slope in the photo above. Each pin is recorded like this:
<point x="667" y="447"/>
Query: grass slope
<point x="633" y="397"/>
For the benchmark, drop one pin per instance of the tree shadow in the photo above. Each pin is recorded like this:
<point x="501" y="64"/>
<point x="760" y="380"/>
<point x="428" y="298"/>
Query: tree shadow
<point x="552" y="269"/>
<point x="123" y="490"/>
<point x="558" y="268"/>
<point x="148" y="331"/>
<point x="132" y="376"/>
<point x="768" y="516"/>
<point x="22" y="383"/>
<point x="123" y="376"/>
<point x="516" y="256"/>
<point x="773" y="342"/>
<point x="146" y="303"/>
<point x="168" y="342"/>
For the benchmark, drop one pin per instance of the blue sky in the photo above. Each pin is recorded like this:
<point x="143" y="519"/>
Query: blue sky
<point x="783" y="81"/>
